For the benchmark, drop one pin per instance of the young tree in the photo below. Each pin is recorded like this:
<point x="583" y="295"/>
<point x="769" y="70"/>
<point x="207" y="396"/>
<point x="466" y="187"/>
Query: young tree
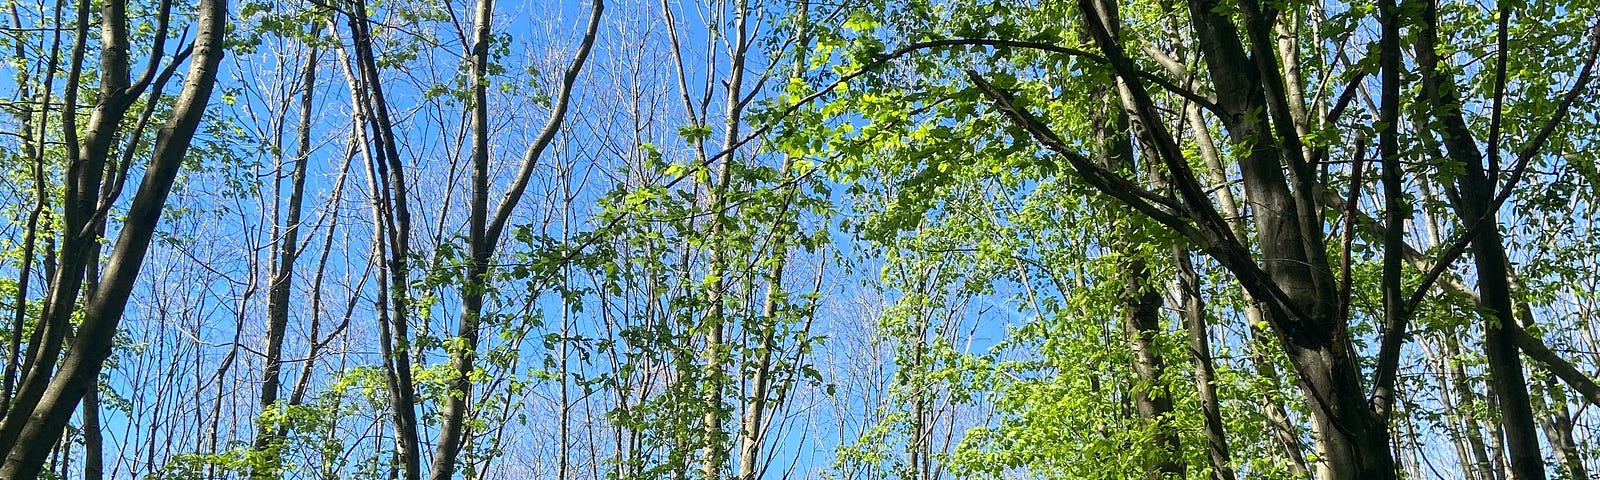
<point x="485" y="230"/>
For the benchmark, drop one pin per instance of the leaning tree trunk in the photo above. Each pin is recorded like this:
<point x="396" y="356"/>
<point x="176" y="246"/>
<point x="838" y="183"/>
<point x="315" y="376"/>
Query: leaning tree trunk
<point x="1193" y="311"/>
<point x="43" y="421"/>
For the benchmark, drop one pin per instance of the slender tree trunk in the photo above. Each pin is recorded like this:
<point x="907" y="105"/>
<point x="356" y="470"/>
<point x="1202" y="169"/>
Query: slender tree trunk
<point x="1205" y="374"/>
<point x="486" y="226"/>
<point x="1141" y="305"/>
<point x="314" y="350"/>
<point x="752" y="431"/>
<point x="917" y="446"/>
<point x="1455" y="374"/>
<point x="1505" y="362"/>
<point x="93" y="440"/>
<point x="1558" y="424"/>
<point x="1139" y="301"/>
<point x="480" y="249"/>
<point x="391" y="235"/>
<point x="84" y="175"/>
<point x="1395" y="213"/>
<point x="33" y="150"/>
<point x="286" y="251"/>
<point x="714" y="456"/>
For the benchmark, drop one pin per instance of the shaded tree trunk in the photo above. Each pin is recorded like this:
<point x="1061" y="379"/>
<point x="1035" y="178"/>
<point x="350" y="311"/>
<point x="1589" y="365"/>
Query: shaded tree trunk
<point x="40" y="426"/>
<point x="1476" y="205"/>
<point x="1140" y="307"/>
<point x="1281" y="428"/>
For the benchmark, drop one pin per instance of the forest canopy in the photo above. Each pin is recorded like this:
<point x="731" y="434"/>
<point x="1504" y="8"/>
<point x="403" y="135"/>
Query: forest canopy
<point x="768" y="239"/>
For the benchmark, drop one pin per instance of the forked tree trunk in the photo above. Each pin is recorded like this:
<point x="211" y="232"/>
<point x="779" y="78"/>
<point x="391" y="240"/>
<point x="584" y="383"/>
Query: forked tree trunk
<point x="1281" y="428"/>
<point x="1476" y="205"/>
<point x="486" y="226"/>
<point x="1294" y="280"/>
<point x="42" y="423"/>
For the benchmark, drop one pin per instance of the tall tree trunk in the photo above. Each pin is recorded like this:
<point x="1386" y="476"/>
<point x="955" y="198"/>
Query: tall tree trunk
<point x="714" y="456"/>
<point x="1140" y="300"/>
<point x="486" y="226"/>
<point x="33" y="150"/>
<point x="286" y="251"/>
<point x="1354" y="442"/>
<point x="753" y="427"/>
<point x="316" y="344"/>
<point x="1141" y="316"/>
<point x="1395" y="214"/>
<point x="1505" y="362"/>
<point x="391" y="233"/>
<point x="1476" y="461"/>
<point x="86" y="163"/>
<point x="480" y="249"/>
<point x="1476" y="205"/>
<point x="1485" y="465"/>
<point x="93" y="439"/>
<point x="80" y="370"/>
<point x="1281" y="428"/>
<point x="1294" y="280"/>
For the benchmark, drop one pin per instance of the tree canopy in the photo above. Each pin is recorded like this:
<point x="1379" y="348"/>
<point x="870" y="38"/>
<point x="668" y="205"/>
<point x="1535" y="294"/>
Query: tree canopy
<point x="753" y="239"/>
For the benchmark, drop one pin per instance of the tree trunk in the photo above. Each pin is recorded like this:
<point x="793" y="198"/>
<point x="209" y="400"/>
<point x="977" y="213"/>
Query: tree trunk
<point x="1354" y="442"/>
<point x="1282" y="430"/>
<point x="480" y="250"/>
<point x="33" y="150"/>
<point x="1139" y="301"/>
<point x="93" y="440"/>
<point x="391" y="234"/>
<point x="486" y="226"/>
<point x="1205" y="374"/>
<point x="714" y="456"/>
<point x="1476" y="206"/>
<point x="285" y="253"/>
<point x="1294" y="281"/>
<point x="43" y="423"/>
<point x="1558" y="424"/>
<point x="83" y="180"/>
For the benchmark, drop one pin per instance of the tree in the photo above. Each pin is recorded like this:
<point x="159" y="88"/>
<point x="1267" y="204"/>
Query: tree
<point x="1255" y="92"/>
<point x="48" y="395"/>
